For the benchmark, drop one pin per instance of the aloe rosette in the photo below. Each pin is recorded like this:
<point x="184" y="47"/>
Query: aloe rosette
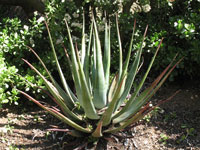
<point x="99" y="105"/>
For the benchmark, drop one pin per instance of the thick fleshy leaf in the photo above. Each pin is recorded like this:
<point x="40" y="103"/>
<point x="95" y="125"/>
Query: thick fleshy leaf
<point x="88" y="105"/>
<point x="133" y="71"/>
<point x="54" y="93"/>
<point x="74" y="67"/>
<point x="83" y="45"/>
<point x="120" y="76"/>
<point x="120" y="49"/>
<point x="106" y="58"/>
<point x="69" y="98"/>
<point x="70" y="64"/>
<point x="88" y="58"/>
<point x="100" y="92"/>
<point x="65" y="85"/>
<point x="146" y="95"/>
<point x="58" y="115"/>
<point x="135" y="118"/>
<point x="126" y="64"/>
<point x="136" y="105"/>
<point x="113" y="88"/>
<point x="134" y="95"/>
<point x="125" y="68"/>
<point x="106" y="118"/>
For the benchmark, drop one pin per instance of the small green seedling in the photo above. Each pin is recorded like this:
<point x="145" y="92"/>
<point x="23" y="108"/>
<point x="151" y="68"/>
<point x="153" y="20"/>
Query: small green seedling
<point x="163" y="138"/>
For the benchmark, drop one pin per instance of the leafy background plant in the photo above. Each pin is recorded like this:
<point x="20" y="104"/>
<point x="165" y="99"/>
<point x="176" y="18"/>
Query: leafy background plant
<point x="178" y="23"/>
<point x="15" y="35"/>
<point x="8" y="94"/>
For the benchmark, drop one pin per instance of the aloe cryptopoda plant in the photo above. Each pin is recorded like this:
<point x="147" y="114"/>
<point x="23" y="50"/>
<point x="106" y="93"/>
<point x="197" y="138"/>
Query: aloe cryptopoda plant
<point x="104" y="107"/>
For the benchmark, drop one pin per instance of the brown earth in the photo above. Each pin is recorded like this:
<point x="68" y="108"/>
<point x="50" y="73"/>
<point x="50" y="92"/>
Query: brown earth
<point x="175" y="125"/>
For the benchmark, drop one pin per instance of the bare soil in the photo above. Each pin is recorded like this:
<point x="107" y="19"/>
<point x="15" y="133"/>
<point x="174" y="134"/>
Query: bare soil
<point x="173" y="126"/>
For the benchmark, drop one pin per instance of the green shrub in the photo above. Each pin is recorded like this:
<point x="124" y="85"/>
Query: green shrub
<point x="178" y="22"/>
<point x="14" y="38"/>
<point x="8" y="82"/>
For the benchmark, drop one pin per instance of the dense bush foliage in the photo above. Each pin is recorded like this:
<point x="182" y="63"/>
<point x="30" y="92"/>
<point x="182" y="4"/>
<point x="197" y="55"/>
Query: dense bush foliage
<point x="8" y="93"/>
<point x="178" y="22"/>
<point x="14" y="37"/>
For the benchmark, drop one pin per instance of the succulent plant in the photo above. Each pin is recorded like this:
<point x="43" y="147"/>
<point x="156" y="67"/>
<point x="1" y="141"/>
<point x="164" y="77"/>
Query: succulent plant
<point x="99" y="105"/>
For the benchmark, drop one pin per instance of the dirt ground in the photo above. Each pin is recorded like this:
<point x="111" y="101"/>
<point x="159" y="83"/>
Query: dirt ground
<point x="175" y="125"/>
